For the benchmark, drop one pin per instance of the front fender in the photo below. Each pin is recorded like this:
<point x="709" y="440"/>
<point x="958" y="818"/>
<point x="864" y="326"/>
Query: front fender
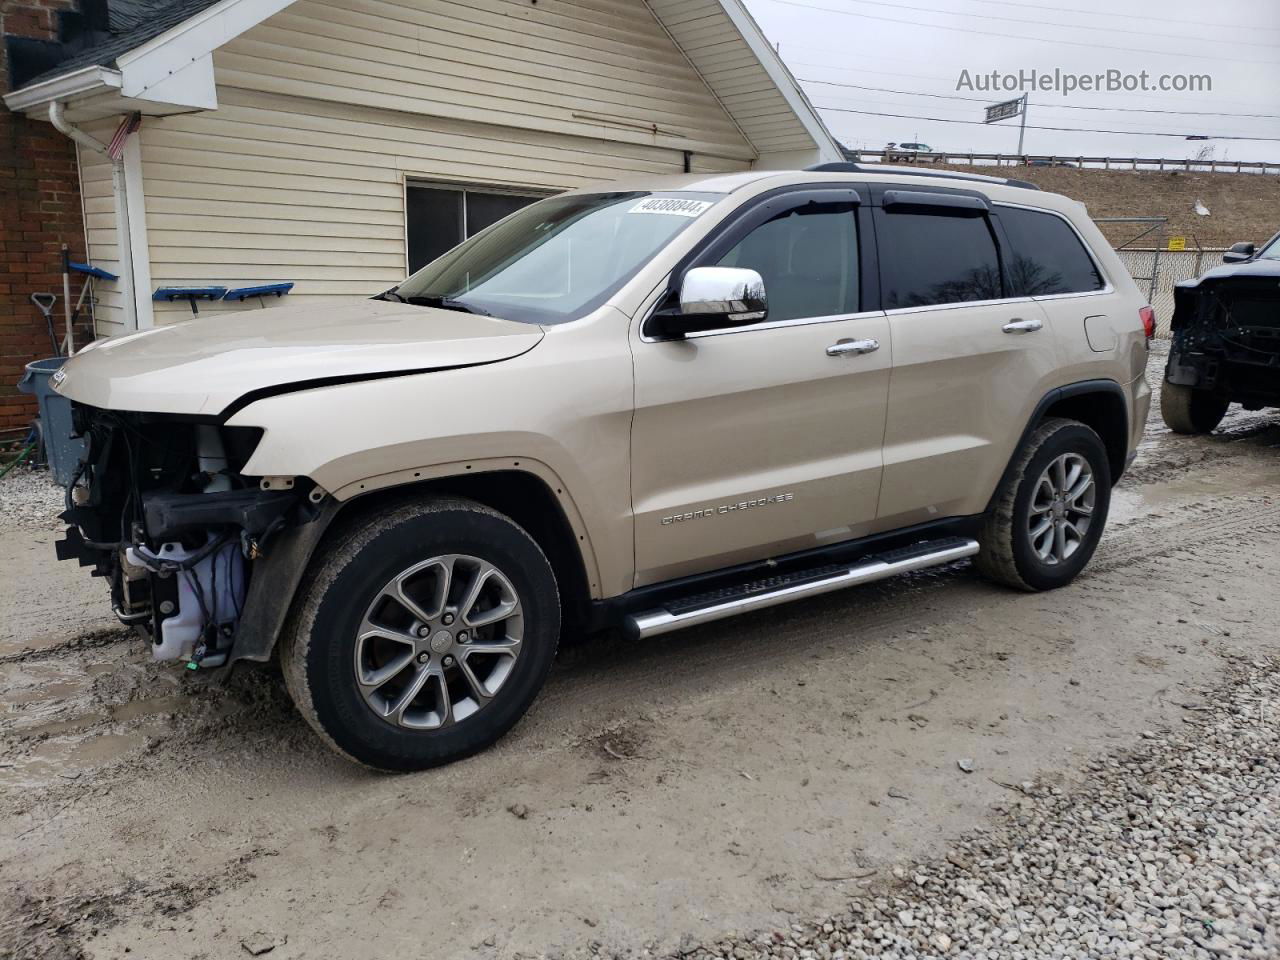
<point x="547" y="412"/>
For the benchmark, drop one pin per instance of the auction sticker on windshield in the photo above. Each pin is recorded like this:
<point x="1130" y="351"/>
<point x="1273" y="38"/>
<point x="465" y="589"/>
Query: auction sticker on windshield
<point x="671" y="205"/>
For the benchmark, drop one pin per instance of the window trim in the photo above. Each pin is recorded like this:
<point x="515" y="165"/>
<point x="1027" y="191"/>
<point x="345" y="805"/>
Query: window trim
<point x="409" y="181"/>
<point x="755" y="213"/>
<point x="1003" y="246"/>
<point x="1107" y="286"/>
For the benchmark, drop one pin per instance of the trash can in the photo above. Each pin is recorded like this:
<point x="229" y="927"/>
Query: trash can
<point x="62" y="451"/>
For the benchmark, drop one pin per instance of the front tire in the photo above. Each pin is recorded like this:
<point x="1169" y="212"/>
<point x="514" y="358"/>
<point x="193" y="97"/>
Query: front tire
<point x="1050" y="512"/>
<point x="1191" y="411"/>
<point x="424" y="636"/>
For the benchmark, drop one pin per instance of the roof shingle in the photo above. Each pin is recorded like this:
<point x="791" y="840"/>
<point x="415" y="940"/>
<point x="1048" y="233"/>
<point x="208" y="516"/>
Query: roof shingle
<point x="131" y="23"/>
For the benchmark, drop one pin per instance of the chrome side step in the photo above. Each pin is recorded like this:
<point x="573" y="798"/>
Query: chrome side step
<point x="760" y="594"/>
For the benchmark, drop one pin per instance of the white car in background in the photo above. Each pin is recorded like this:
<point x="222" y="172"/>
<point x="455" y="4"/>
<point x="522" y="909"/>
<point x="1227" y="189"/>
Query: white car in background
<point x="910" y="153"/>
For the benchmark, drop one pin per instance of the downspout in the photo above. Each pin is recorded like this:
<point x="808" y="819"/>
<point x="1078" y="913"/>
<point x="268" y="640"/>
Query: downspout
<point x="118" y="190"/>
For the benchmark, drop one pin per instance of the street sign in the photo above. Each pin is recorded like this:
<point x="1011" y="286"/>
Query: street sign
<point x="1003" y="111"/>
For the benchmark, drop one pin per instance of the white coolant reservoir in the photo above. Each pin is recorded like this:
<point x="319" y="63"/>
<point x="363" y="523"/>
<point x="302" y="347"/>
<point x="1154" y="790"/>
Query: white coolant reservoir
<point x="210" y="590"/>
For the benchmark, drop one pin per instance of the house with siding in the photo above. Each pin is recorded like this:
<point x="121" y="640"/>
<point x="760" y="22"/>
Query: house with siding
<point x="340" y="144"/>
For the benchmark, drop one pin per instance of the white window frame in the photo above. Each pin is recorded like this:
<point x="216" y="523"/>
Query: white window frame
<point x="463" y="187"/>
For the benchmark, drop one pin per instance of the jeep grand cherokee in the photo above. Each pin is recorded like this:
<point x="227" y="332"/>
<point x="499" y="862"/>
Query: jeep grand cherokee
<point x="643" y="405"/>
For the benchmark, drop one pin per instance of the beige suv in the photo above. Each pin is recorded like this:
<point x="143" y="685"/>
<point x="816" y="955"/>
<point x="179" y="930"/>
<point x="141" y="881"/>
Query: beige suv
<point x="644" y="405"/>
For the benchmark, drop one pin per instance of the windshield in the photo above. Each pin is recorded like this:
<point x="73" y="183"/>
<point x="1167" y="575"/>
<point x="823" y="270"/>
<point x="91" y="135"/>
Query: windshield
<point x="1272" y="250"/>
<point x="557" y="259"/>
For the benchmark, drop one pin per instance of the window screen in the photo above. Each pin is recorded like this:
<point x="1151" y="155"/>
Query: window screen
<point x="808" y="259"/>
<point x="440" y="218"/>
<point x="1045" y="255"/>
<point x="927" y="260"/>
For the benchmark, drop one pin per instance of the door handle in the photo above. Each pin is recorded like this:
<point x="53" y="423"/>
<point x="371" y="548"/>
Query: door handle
<point x="843" y="348"/>
<point x="1022" y="326"/>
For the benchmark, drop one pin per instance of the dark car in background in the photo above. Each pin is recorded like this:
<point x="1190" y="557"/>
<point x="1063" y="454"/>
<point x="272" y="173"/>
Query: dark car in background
<point x="1226" y="340"/>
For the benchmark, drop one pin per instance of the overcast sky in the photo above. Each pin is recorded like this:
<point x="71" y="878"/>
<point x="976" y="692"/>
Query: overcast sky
<point x="909" y="47"/>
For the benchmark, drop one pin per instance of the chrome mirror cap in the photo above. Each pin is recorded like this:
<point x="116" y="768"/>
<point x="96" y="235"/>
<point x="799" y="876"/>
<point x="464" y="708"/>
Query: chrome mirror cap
<point x="731" y="292"/>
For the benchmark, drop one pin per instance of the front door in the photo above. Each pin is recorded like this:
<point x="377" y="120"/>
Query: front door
<point x="756" y="441"/>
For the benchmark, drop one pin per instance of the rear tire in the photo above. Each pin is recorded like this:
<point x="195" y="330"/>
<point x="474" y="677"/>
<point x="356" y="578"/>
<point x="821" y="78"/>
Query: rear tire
<point x="1062" y="478"/>
<point x="423" y="636"/>
<point x="1190" y="411"/>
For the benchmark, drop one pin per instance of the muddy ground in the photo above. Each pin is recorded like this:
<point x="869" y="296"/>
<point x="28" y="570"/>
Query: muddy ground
<point x="729" y="778"/>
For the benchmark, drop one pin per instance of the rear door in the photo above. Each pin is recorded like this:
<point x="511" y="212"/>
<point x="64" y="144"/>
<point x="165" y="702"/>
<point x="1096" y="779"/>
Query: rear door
<point x="971" y="360"/>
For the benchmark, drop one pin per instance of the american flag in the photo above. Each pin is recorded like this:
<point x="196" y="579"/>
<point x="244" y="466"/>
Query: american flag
<point x="130" y="124"/>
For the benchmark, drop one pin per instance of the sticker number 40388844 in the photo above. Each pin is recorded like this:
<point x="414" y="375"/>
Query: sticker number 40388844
<point x="671" y="205"/>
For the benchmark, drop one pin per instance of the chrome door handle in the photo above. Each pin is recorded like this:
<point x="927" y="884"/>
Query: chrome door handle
<point x="1022" y="326"/>
<point x="856" y="347"/>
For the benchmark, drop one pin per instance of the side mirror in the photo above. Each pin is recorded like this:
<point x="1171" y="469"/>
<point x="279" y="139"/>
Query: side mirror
<point x="1239" y="253"/>
<point x="711" y="298"/>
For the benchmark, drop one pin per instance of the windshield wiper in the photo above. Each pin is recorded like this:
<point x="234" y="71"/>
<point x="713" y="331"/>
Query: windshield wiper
<point x="445" y="303"/>
<point x="390" y="295"/>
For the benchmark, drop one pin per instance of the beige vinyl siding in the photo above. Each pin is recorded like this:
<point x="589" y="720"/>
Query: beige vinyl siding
<point x="271" y="188"/>
<point x="327" y="109"/>
<point x="100" y="227"/>
<point x="594" y="68"/>
<point x="734" y="74"/>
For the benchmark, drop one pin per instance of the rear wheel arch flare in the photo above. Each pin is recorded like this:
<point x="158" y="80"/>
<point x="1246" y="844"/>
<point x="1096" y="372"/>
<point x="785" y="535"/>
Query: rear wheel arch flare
<point x="1099" y="404"/>
<point x="1103" y="409"/>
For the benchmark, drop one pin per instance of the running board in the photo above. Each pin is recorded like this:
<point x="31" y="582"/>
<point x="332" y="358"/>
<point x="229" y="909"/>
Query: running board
<point x="759" y="594"/>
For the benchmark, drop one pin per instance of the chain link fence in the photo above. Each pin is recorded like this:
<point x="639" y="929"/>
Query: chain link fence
<point x="1159" y="262"/>
<point x="1156" y="272"/>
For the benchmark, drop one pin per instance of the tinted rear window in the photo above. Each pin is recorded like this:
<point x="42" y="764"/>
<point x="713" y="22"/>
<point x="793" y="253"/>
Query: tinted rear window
<point x="1046" y="256"/>
<point x="927" y="260"/>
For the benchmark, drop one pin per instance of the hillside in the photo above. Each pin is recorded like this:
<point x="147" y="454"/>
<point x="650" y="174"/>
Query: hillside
<point x="1241" y="206"/>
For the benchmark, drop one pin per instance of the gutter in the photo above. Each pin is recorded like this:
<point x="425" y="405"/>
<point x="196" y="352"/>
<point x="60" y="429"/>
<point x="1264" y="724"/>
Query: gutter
<point x="74" y="84"/>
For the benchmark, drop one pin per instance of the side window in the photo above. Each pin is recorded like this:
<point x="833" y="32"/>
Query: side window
<point x="808" y="258"/>
<point x="930" y="259"/>
<point x="1046" y="256"/>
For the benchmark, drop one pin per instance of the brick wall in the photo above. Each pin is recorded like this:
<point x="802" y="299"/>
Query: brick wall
<point x="39" y="211"/>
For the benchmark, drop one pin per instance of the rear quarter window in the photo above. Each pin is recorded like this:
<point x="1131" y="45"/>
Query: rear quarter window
<point x="1045" y="256"/>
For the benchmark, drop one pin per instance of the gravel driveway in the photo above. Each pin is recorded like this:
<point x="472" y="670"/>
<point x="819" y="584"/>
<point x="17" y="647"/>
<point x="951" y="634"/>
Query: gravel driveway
<point x="926" y="767"/>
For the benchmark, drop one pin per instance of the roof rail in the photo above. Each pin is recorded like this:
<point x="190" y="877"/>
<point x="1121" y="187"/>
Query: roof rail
<point x="846" y="167"/>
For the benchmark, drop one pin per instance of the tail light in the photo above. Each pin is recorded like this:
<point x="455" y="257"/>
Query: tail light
<point x="1148" y="316"/>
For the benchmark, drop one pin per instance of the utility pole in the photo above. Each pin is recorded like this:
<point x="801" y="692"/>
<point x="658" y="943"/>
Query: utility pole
<point x="1022" y="128"/>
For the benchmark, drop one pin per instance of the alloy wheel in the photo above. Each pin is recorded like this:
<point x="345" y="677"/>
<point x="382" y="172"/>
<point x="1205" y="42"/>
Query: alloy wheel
<point x="1061" y="508"/>
<point x="438" y="642"/>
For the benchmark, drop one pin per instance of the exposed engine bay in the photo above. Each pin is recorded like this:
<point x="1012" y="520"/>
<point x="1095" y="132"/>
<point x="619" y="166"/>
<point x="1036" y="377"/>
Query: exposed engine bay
<point x="1226" y="334"/>
<point x="159" y="507"/>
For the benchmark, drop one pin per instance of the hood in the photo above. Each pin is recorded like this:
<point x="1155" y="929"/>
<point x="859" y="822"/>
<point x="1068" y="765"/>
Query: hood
<point x="204" y="365"/>
<point x="1251" y="270"/>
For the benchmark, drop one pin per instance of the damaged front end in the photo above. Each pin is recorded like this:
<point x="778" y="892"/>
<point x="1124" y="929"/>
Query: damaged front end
<point x="1226" y="334"/>
<point x="160" y="508"/>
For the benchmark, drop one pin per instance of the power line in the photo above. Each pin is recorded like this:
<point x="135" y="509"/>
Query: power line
<point x="1015" y="36"/>
<point x="950" y="80"/>
<point x="979" y="123"/>
<point x="1055" y="106"/>
<point x="1047" y="23"/>
<point x="1146" y="18"/>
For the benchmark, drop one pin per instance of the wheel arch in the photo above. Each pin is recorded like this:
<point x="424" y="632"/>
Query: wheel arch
<point x="1099" y="404"/>
<point x="543" y="511"/>
<point x="530" y="501"/>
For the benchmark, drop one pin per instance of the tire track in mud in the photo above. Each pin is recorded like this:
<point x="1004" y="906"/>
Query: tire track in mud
<point x="1158" y="535"/>
<point x="926" y="601"/>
